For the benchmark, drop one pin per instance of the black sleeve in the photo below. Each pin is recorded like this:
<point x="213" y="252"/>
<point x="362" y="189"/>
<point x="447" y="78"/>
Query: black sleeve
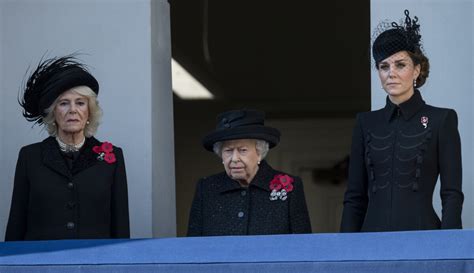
<point x="450" y="172"/>
<point x="17" y="221"/>
<point x="299" y="217"/>
<point x="120" y="226"/>
<point x="355" y="198"/>
<point x="195" y="215"/>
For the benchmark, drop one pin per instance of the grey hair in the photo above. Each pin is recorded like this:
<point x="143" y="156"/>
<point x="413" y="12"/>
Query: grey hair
<point x="95" y="112"/>
<point x="262" y="147"/>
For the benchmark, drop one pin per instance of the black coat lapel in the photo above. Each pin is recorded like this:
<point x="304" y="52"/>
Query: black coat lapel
<point x="54" y="160"/>
<point x="227" y="184"/>
<point x="52" y="157"/>
<point x="263" y="177"/>
<point x="87" y="157"/>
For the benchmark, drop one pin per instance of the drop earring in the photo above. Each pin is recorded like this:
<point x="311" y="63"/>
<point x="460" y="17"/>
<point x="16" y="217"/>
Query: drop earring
<point x="414" y="83"/>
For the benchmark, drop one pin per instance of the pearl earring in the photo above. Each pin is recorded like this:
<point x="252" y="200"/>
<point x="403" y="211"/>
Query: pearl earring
<point x="258" y="163"/>
<point x="88" y="122"/>
<point x="414" y="83"/>
<point x="54" y="123"/>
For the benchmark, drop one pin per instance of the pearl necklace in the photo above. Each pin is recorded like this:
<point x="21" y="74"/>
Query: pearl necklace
<point x="68" y="147"/>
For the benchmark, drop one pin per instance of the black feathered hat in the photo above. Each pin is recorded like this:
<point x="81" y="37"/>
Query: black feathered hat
<point x="395" y="38"/>
<point x="50" y="79"/>
<point x="241" y="124"/>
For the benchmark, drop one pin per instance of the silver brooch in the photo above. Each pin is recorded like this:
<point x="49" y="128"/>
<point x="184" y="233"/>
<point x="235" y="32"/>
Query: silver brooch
<point x="424" y="121"/>
<point x="275" y="195"/>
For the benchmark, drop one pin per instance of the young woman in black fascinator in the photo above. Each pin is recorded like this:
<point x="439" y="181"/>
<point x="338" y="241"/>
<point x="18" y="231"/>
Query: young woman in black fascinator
<point x="399" y="151"/>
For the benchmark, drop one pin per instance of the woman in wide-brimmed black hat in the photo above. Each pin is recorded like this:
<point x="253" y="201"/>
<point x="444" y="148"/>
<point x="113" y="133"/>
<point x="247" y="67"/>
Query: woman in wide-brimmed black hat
<point x="399" y="151"/>
<point x="249" y="197"/>
<point x="70" y="185"/>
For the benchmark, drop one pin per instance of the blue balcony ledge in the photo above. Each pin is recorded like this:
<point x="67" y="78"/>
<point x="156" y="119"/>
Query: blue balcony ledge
<point x="415" y="251"/>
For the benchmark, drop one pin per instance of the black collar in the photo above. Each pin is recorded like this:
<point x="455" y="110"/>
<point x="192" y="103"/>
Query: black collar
<point x="407" y="109"/>
<point x="53" y="159"/>
<point x="261" y="180"/>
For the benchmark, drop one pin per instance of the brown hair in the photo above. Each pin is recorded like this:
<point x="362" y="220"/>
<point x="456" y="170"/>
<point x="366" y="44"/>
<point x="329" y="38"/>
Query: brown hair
<point x="419" y="58"/>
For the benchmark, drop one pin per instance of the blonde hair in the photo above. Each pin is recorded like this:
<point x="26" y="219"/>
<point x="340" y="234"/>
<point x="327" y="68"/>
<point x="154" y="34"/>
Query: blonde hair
<point x="95" y="112"/>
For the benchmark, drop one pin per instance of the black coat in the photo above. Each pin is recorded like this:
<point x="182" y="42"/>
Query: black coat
<point x="222" y="207"/>
<point x="52" y="201"/>
<point x="394" y="165"/>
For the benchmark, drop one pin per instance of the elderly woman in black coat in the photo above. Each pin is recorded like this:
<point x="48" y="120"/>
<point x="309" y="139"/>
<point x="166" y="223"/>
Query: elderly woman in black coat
<point x="399" y="151"/>
<point x="70" y="185"/>
<point x="249" y="197"/>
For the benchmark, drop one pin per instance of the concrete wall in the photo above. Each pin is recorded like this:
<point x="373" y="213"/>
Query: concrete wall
<point x="163" y="190"/>
<point x="4" y="194"/>
<point x="116" y="39"/>
<point x="447" y="33"/>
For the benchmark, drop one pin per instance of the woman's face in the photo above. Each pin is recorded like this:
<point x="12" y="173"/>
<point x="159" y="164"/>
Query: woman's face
<point x="71" y="113"/>
<point x="397" y="74"/>
<point x="240" y="159"/>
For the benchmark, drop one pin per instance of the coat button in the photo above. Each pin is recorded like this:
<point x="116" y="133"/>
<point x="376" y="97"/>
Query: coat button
<point x="243" y="193"/>
<point x="70" y="185"/>
<point x="70" y="225"/>
<point x="240" y="214"/>
<point x="70" y="205"/>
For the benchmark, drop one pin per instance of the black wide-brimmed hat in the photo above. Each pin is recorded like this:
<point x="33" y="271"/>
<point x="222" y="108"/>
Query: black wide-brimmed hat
<point x="394" y="38"/>
<point x="50" y="79"/>
<point x="241" y="124"/>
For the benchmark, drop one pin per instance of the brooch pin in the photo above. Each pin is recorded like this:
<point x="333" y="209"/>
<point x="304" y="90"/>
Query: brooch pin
<point x="281" y="185"/>
<point x="424" y="121"/>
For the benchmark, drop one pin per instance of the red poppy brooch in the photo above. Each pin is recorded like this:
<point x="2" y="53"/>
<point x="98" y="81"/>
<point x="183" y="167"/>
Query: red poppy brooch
<point x="281" y="185"/>
<point x="424" y="121"/>
<point x="105" y="152"/>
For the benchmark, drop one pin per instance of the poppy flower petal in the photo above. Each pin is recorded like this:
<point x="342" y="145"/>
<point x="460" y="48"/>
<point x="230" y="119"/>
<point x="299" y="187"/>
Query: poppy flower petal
<point x="97" y="149"/>
<point x="110" y="158"/>
<point x="107" y="147"/>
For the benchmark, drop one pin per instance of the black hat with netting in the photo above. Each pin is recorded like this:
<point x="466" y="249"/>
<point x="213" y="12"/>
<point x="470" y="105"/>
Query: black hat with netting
<point x="393" y="37"/>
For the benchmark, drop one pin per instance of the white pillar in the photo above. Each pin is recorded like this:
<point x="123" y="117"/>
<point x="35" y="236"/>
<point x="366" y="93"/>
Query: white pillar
<point x="164" y="186"/>
<point x="135" y="90"/>
<point x="447" y="35"/>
